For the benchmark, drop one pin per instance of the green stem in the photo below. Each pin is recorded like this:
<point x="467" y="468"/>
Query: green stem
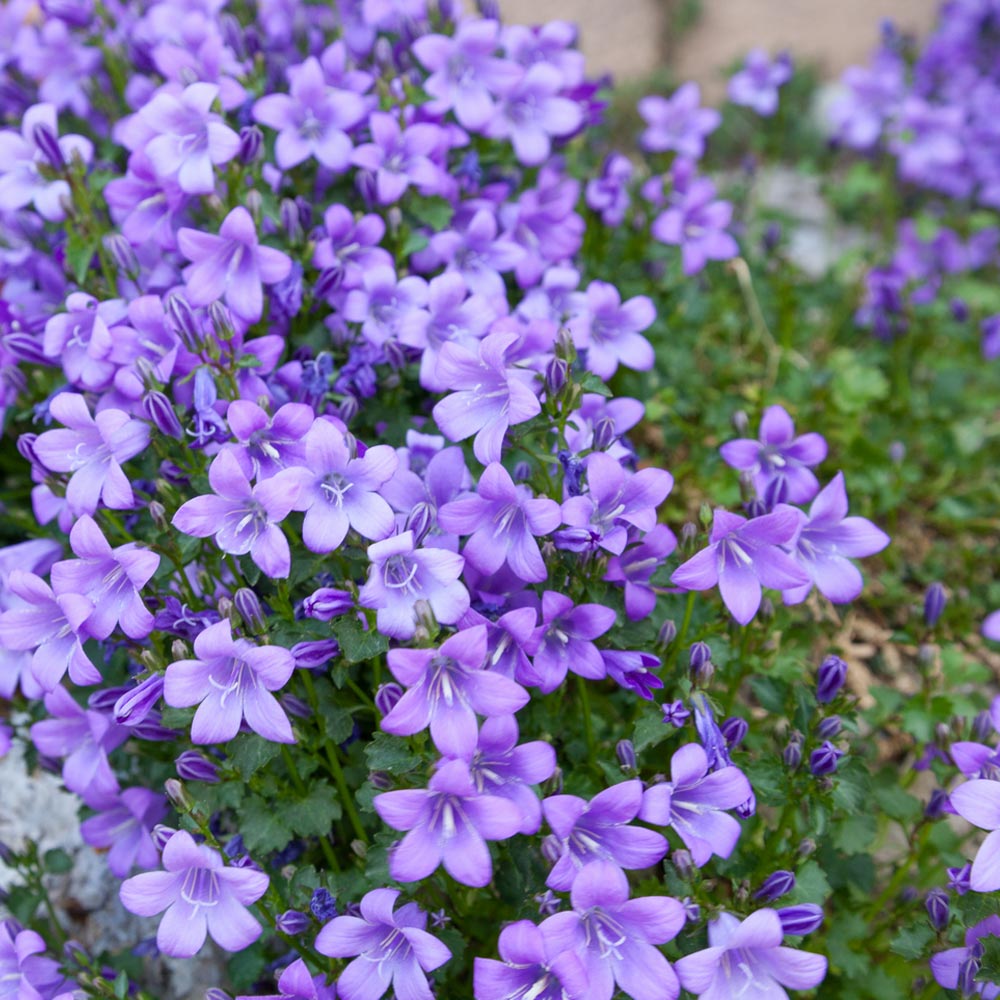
<point x="588" y="725"/>
<point x="686" y="621"/>
<point x="325" y="846"/>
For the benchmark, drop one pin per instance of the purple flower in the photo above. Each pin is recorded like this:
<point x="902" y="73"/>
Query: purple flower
<point x="466" y="76"/>
<point x="635" y="568"/>
<point x="231" y="265"/>
<point x="312" y="121"/>
<point x="825" y="759"/>
<point x="401" y="574"/>
<point x="694" y="801"/>
<point x="267" y="444"/>
<point x="533" y="966"/>
<point x="978" y="802"/>
<point x="243" y="518"/>
<point x="200" y="896"/>
<point x="84" y="738"/>
<point x="599" y="830"/>
<point x="388" y="308"/>
<point x="297" y="983"/>
<point x="610" y="331"/>
<point x="779" y="461"/>
<point x="696" y="222"/>
<point x="476" y="252"/>
<point x="825" y="542"/>
<point x="24" y="972"/>
<point x="400" y="157"/>
<point x="502" y="519"/>
<point x="756" y="85"/>
<point x="608" y="194"/>
<point x="184" y="139"/>
<point x="565" y="641"/>
<point x="446" y="688"/>
<point x="449" y="823"/>
<point x="80" y="339"/>
<point x="958" y="968"/>
<point x="490" y="395"/>
<point x="231" y="680"/>
<point x="350" y="246"/>
<point x="743" y="555"/>
<point x="633" y="670"/>
<point x="394" y="949"/>
<point x="124" y="826"/>
<point x="747" y="957"/>
<point x="501" y="766"/>
<point x="677" y="123"/>
<point x="532" y="113"/>
<point x="615" y="936"/>
<point x="675" y="714"/>
<point x="111" y="578"/>
<point x="91" y="449"/>
<point x="51" y="625"/>
<point x="341" y="491"/>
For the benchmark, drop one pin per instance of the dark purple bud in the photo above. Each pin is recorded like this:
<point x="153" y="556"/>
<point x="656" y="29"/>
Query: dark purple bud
<point x="104" y="699"/>
<point x="667" y="633"/>
<point x="380" y="780"/>
<point x="160" y="835"/>
<point x="26" y="448"/>
<point x="134" y="705"/>
<point x="26" y="347"/>
<point x="293" y="923"/>
<point x="251" y="143"/>
<point x="747" y="808"/>
<point x="959" y="879"/>
<point x="967" y="973"/>
<point x="792" y="754"/>
<point x="329" y="280"/>
<point x="625" y="752"/>
<point x="776" y="885"/>
<point x="959" y="310"/>
<point x="192" y="766"/>
<point x="825" y="759"/>
<point x="604" y="434"/>
<point x="305" y="212"/>
<point x="295" y="706"/>
<point x="934" y="602"/>
<point x="288" y="213"/>
<point x="319" y="652"/>
<point x="387" y="697"/>
<point x="222" y="320"/>
<point x="830" y="679"/>
<point x="937" y="804"/>
<point x="683" y="862"/>
<point x="757" y="507"/>
<point x="982" y="726"/>
<point x="323" y="905"/>
<point x="247" y="603"/>
<point x="556" y="376"/>
<point x="675" y="714"/>
<point x="938" y="910"/>
<point x="47" y="143"/>
<point x="234" y="846"/>
<point x="522" y="471"/>
<point x="185" y="324"/>
<point x="829" y="727"/>
<point x="160" y="412"/>
<point x="420" y="520"/>
<point x="700" y="663"/>
<point x="7" y="856"/>
<point x="489" y="9"/>
<point x="327" y="603"/>
<point x="803" y="918"/>
<point x="123" y="255"/>
<point x="734" y="731"/>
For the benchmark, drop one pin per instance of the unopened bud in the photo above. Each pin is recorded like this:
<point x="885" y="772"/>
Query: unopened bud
<point x="293" y="923"/>
<point x="184" y="322"/>
<point x="192" y="766"/>
<point x="938" y="910"/>
<point x="222" y="320"/>
<point x="420" y="520"/>
<point x="803" y="918"/>
<point x="934" y="603"/>
<point x="387" y="697"/>
<point x="315" y="653"/>
<point x="792" y="754"/>
<point x="160" y="835"/>
<point x="134" y="705"/>
<point x="288" y="213"/>
<point x="776" y="885"/>
<point x="829" y="727"/>
<point x="825" y="759"/>
<point x="734" y="731"/>
<point x="625" y="752"/>
<point x="683" y="862"/>
<point x="251" y="144"/>
<point x="247" y="603"/>
<point x="47" y="143"/>
<point x="740" y="421"/>
<point x="178" y="795"/>
<point x="604" y="434"/>
<point x="830" y="679"/>
<point x="123" y="255"/>
<point x="689" y="538"/>
<point x="160" y="412"/>
<point x="556" y="376"/>
<point x="667" y="633"/>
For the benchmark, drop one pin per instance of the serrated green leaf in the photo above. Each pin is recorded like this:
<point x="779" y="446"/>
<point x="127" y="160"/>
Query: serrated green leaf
<point x="57" y="861"/>
<point x="811" y="884"/>
<point x="80" y="251"/>
<point x="264" y="827"/>
<point x="250" y="752"/>
<point x="855" y="833"/>
<point x="358" y="645"/>
<point x="314" y="815"/>
<point x="650" y="730"/>
<point x="390" y="754"/>
<point x="594" y="383"/>
<point x="911" y="942"/>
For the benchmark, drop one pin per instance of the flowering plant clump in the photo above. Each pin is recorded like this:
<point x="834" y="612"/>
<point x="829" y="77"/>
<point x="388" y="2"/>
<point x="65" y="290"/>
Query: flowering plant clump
<point x="391" y="571"/>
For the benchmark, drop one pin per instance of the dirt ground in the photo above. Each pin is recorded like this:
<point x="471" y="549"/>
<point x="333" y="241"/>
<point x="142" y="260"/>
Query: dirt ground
<point x="629" y="38"/>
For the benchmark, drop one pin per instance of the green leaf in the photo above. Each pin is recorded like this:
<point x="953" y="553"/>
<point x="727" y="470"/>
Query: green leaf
<point x="264" y="827"/>
<point x="435" y="213"/>
<point x="852" y="791"/>
<point x="594" y="383"/>
<point x="649" y="731"/>
<point x="390" y="754"/>
<point x="769" y="780"/>
<point x="358" y="645"/>
<point x="897" y="804"/>
<point x="246" y="967"/>
<point x="911" y="942"/>
<point x="855" y="833"/>
<point x="121" y="986"/>
<point x="811" y="885"/>
<point x="250" y="752"/>
<point x="314" y="815"/>
<point x="770" y="693"/>
<point x="57" y="861"/>
<point x="847" y="943"/>
<point x="80" y="252"/>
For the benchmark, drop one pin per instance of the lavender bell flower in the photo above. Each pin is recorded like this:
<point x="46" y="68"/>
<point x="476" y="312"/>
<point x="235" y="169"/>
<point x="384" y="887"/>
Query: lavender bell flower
<point x="232" y="265"/>
<point x="610" y="331"/>
<point x="449" y="823"/>
<point x="779" y="462"/>
<point x="125" y="827"/>
<point x="694" y="801"/>
<point x="24" y="969"/>
<point x="393" y="949"/>
<point x="615" y="936"/>
<point x="677" y="124"/>
<point x="600" y="830"/>
<point x="200" y="895"/>
<point x="267" y="444"/>
<point x="825" y="542"/>
<point x="446" y="687"/>
<point x="401" y="574"/>
<point x="502" y="520"/>
<point x="92" y="449"/>
<point x="743" y="555"/>
<point x="311" y="121"/>
<point x="697" y="222"/>
<point x="80" y="339"/>
<point x="756" y="85"/>
<point x="635" y="568"/>
<point x="399" y="157"/>
<point x="951" y="967"/>
<point x="534" y="965"/>
<point x="748" y="957"/>
<point x="231" y="680"/>
<point x="978" y="802"/>
<point x="243" y="518"/>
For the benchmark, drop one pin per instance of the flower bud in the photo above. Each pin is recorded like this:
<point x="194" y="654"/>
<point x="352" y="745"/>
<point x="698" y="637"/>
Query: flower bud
<point x="123" y="255"/>
<point x="329" y="280"/>
<point x="938" y="910"/>
<point x="689" y="538"/>
<point x="380" y="780"/>
<point x="806" y="847"/>
<point x="565" y="348"/>
<point x="349" y="408"/>
<point x="551" y="851"/>
<point x="937" y="804"/>
<point x="792" y="754"/>
<point x="521" y="472"/>
<point x="26" y="448"/>
<point x="556" y="376"/>
<point x="740" y="422"/>
<point x="825" y="759"/>
<point x="160" y="834"/>
<point x="315" y="653"/>
<point x="604" y="434"/>
<point x="247" y="603"/>
<point x="830" y="679"/>
<point x="829" y="727"/>
<point x="160" y="412"/>
<point x="323" y="905"/>
<point x="959" y="310"/>
<point x="134" y="705"/>
<point x="420" y="520"/>
<point x="26" y="347"/>
<point x="214" y="993"/>
<point x="387" y="697"/>
<point x="776" y="885"/>
<point x="625" y="752"/>
<point x="803" y="918"/>
<point x="327" y="603"/>
<point x="934" y="602"/>
<point x="554" y="784"/>
<point x="748" y="488"/>
<point x="293" y="923"/>
<point x="192" y="766"/>
<point x="178" y="796"/>
<point x="748" y="807"/>
<point x="222" y="320"/>
<point x="897" y="452"/>
<point x="683" y="862"/>
<point x="185" y="323"/>
<point x="705" y="515"/>
<point x="253" y="202"/>
<point x="982" y="726"/>
<point x="734" y="731"/>
<point x="47" y="143"/>
<point x="667" y="633"/>
<point x="967" y="973"/>
<point x="251" y="144"/>
<point x="295" y="706"/>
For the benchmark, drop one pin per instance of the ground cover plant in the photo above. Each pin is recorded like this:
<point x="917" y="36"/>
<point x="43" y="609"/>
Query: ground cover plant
<point x="454" y="550"/>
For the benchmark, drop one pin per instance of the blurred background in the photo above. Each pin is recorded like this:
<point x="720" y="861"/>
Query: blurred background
<point x="699" y="39"/>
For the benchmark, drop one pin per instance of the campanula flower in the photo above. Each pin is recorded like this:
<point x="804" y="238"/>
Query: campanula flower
<point x="610" y="331"/>
<point x="124" y="826"/>
<point x="978" y="802"/>
<point x="756" y="85"/>
<point x="697" y="222"/>
<point x="25" y="971"/>
<point x="677" y="124"/>
<point x="635" y="568"/>
<point x="399" y="157"/>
